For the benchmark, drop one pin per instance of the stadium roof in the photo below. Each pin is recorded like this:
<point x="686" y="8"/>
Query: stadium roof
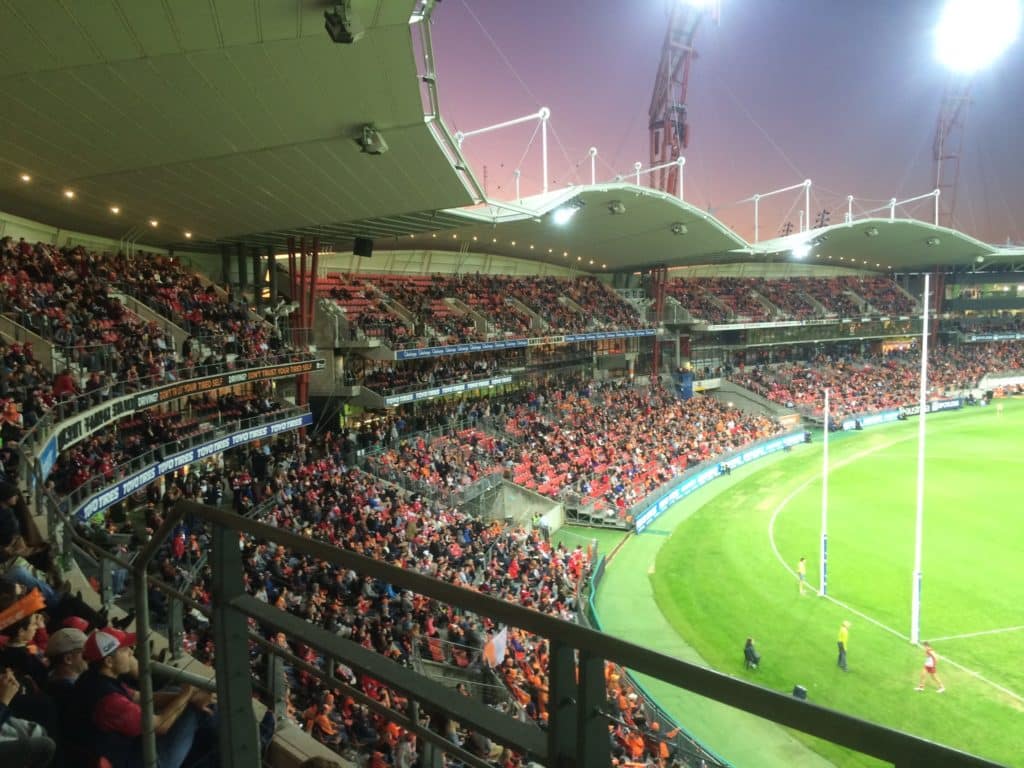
<point x="221" y="117"/>
<point x="237" y="120"/>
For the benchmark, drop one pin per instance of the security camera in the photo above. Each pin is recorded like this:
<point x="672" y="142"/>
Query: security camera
<point x="371" y="142"/>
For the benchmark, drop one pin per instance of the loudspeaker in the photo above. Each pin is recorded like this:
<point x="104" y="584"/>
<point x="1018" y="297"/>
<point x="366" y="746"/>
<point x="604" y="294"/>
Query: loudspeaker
<point x="799" y="692"/>
<point x="363" y="246"/>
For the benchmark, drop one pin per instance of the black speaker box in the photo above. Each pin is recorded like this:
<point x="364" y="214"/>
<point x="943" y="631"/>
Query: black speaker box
<point x="363" y="246"/>
<point x="799" y="692"/>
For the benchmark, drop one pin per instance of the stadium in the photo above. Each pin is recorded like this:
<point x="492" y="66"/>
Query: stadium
<point x="334" y="437"/>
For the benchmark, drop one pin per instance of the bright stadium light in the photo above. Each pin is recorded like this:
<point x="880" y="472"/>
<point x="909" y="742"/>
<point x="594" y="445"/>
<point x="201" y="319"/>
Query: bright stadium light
<point x="973" y="33"/>
<point x="564" y="213"/>
<point x="801" y="250"/>
<point x="561" y="216"/>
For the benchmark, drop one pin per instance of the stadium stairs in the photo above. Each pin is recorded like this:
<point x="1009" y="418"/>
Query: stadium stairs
<point x="749" y="401"/>
<point x="537" y="323"/>
<point x="13" y="332"/>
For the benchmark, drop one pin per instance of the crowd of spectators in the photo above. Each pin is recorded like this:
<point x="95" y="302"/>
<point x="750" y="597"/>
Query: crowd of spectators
<point x="102" y="349"/>
<point x="611" y="443"/>
<point x="860" y="384"/>
<point x="387" y="377"/>
<point x="988" y="323"/>
<point x="104" y="456"/>
<point x="391" y="306"/>
<point x="310" y="490"/>
<point x="742" y="299"/>
<point x="696" y="301"/>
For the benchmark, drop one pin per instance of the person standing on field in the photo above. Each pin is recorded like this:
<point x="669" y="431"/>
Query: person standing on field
<point x="842" y="641"/>
<point x="931" y="665"/>
<point x="801" y="573"/>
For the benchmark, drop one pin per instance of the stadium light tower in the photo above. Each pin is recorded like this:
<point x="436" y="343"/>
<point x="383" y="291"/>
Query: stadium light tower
<point x="971" y="34"/>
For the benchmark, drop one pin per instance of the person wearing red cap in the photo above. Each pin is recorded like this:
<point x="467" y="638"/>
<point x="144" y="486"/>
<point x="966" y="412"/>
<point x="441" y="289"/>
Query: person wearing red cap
<point x="115" y="713"/>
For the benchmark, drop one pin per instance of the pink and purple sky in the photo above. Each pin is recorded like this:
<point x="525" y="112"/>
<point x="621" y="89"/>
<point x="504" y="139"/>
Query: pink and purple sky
<point x="844" y="93"/>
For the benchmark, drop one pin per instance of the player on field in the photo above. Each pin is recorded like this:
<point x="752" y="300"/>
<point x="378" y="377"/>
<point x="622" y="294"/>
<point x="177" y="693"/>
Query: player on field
<point x="931" y="663"/>
<point x="801" y="573"/>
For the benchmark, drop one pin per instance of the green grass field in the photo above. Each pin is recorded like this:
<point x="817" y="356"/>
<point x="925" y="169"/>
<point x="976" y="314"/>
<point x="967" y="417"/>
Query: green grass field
<point x="727" y="571"/>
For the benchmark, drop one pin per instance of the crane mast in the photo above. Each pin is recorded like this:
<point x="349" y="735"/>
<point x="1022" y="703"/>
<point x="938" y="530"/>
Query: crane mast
<point x="668" y="124"/>
<point x="948" y="144"/>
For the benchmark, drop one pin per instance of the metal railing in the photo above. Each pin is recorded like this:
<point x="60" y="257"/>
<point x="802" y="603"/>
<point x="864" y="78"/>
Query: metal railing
<point x="35" y="439"/>
<point x="577" y="731"/>
<point x="217" y="428"/>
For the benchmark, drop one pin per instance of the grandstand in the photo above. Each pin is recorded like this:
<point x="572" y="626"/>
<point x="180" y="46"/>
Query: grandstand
<point x="359" y="507"/>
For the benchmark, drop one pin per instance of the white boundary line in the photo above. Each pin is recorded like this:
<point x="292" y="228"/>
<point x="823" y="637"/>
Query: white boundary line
<point x="979" y="634"/>
<point x="771" y="538"/>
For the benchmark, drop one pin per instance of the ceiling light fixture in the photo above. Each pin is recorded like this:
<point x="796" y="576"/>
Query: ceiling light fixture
<point x="871" y="232"/>
<point x="616" y="208"/>
<point x="154" y="223"/>
<point x="679" y="228"/>
<point x="115" y="209"/>
<point x="188" y="235"/>
<point x="25" y="177"/>
<point x="69" y="194"/>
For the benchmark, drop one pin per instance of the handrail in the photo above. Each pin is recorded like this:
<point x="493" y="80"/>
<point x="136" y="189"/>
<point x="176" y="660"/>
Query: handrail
<point x="842" y="729"/>
<point x="218" y="428"/>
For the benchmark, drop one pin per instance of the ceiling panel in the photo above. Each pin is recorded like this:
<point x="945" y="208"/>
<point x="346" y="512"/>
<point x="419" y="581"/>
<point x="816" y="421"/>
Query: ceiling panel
<point x="150" y="24"/>
<point x="104" y="23"/>
<point x="49" y="27"/>
<point x="238" y="21"/>
<point x="196" y="24"/>
<point x="223" y="117"/>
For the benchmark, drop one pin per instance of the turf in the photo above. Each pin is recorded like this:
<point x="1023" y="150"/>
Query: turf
<point x="719" y="578"/>
<point x="578" y="535"/>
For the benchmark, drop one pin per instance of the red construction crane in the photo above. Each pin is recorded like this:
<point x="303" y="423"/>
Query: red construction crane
<point x="670" y="129"/>
<point x="949" y="140"/>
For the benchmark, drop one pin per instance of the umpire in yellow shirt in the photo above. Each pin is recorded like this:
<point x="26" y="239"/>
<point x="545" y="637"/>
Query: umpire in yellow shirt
<point x="842" y="640"/>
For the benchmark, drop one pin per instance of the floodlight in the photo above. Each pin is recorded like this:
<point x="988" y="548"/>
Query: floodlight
<point x="679" y="228"/>
<point x="564" y="213"/>
<point x="932" y="241"/>
<point x="561" y="216"/>
<point x="801" y="250"/>
<point x="971" y="34"/>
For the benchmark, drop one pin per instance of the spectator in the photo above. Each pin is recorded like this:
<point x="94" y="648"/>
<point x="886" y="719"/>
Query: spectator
<point x="114" y="712"/>
<point x="22" y="741"/>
